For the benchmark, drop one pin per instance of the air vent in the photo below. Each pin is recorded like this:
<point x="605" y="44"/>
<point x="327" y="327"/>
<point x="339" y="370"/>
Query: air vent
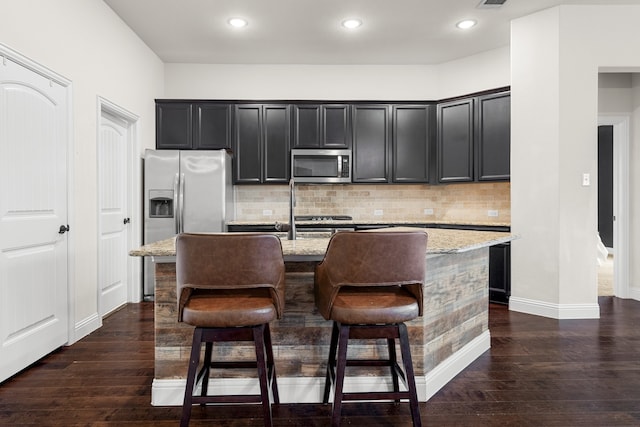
<point x="491" y="3"/>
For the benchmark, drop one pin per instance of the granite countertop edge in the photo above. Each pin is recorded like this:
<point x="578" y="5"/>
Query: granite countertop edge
<point x="441" y="241"/>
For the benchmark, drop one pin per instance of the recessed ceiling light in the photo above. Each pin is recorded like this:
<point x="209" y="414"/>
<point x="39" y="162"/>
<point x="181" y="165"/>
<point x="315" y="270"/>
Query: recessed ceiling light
<point x="238" y="22"/>
<point x="351" y="23"/>
<point x="466" y="24"/>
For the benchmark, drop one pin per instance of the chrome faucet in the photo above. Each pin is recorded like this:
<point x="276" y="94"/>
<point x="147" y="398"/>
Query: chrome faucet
<point x="291" y="233"/>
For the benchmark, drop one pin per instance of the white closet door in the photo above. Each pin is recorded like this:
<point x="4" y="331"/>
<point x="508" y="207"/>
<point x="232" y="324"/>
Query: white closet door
<point x="33" y="207"/>
<point x="114" y="212"/>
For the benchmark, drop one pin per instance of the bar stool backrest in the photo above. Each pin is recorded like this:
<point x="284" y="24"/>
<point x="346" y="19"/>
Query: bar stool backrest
<point x="229" y="261"/>
<point x="359" y="258"/>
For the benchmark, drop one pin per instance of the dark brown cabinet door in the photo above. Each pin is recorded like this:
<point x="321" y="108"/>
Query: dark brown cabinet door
<point x="336" y="119"/>
<point x="276" y="143"/>
<point x="306" y="126"/>
<point x="321" y="126"/>
<point x="174" y="125"/>
<point x="493" y="137"/>
<point x="411" y="148"/>
<point x="455" y="141"/>
<point x="248" y="145"/>
<point x="212" y="126"/>
<point x="370" y="143"/>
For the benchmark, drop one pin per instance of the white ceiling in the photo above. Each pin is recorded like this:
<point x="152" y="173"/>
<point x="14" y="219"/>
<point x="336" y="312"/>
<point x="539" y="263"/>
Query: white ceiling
<point x="309" y="31"/>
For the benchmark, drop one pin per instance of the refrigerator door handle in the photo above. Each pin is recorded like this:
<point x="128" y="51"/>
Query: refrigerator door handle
<point x="181" y="203"/>
<point x="176" y="189"/>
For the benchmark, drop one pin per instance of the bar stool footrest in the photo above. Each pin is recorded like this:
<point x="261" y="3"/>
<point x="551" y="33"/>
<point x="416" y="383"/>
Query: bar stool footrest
<point x="227" y="398"/>
<point x="376" y="395"/>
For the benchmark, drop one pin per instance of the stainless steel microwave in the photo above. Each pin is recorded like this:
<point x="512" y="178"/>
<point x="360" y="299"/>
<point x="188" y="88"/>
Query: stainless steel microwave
<point x="321" y="166"/>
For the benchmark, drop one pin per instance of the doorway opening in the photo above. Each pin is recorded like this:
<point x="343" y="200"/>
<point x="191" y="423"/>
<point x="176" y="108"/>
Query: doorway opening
<point x="605" y="210"/>
<point x="613" y="274"/>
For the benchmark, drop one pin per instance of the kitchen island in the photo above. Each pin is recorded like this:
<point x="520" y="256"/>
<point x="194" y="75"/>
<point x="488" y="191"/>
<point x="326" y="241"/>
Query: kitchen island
<point x="452" y="333"/>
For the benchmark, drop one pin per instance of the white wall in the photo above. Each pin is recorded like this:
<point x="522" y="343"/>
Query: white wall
<point x="84" y="41"/>
<point x="556" y="56"/>
<point x="534" y="157"/>
<point x="614" y="93"/>
<point x="484" y="71"/>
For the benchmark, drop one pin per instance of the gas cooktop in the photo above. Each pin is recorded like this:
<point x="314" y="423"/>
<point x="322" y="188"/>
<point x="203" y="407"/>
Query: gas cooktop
<point x="323" y="218"/>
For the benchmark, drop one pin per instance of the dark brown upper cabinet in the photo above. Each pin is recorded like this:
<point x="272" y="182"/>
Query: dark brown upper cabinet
<point x="464" y="139"/>
<point x="212" y="126"/>
<point x="261" y="144"/>
<point x="493" y="137"/>
<point x="474" y="138"/>
<point x="411" y="141"/>
<point x="193" y="126"/>
<point x="321" y="126"/>
<point x="371" y="148"/>
<point x="174" y="125"/>
<point x="455" y="141"/>
<point x="276" y="141"/>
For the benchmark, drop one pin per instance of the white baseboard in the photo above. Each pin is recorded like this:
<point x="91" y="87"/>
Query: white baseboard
<point x="170" y="392"/>
<point x="554" y="311"/>
<point x="634" y="293"/>
<point x="85" y="327"/>
<point x="453" y="365"/>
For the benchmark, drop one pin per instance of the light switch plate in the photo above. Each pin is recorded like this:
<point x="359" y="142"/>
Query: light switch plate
<point x="586" y="179"/>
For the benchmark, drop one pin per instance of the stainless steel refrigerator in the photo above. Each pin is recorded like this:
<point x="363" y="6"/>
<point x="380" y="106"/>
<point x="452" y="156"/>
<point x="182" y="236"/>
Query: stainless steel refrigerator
<point x="184" y="191"/>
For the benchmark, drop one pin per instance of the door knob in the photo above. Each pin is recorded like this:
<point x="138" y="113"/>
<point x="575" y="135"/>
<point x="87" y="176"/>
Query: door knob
<point x="127" y="221"/>
<point x="63" y="229"/>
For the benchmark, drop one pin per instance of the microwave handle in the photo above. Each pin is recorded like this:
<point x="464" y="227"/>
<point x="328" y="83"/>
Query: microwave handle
<point x="339" y="166"/>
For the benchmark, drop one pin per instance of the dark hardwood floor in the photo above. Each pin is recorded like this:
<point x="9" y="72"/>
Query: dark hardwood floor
<point x="539" y="372"/>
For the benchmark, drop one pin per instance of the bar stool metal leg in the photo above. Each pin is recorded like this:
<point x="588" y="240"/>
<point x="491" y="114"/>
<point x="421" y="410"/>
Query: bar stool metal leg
<point x="331" y="363"/>
<point x="191" y="376"/>
<point x="341" y="364"/>
<point x="393" y="363"/>
<point x="206" y="369"/>
<point x="271" y="367"/>
<point x="258" y="338"/>
<point x="410" y="378"/>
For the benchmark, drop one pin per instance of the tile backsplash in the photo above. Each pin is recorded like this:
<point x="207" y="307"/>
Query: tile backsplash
<point x="464" y="202"/>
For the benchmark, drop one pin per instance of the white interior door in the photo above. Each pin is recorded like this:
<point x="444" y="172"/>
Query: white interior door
<point x="34" y="122"/>
<point x="114" y="212"/>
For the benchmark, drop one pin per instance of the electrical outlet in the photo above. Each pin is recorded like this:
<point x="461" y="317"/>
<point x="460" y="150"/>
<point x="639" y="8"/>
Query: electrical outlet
<point x="428" y="211"/>
<point x="586" y="179"/>
<point x="267" y="212"/>
<point x="377" y="212"/>
<point x="492" y="213"/>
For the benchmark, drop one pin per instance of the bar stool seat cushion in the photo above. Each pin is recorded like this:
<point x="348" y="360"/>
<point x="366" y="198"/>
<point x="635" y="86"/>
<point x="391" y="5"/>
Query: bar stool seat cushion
<point x="222" y="308"/>
<point x="376" y="305"/>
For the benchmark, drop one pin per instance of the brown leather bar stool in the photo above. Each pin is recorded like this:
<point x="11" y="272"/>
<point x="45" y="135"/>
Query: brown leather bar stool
<point x="369" y="283"/>
<point x="230" y="286"/>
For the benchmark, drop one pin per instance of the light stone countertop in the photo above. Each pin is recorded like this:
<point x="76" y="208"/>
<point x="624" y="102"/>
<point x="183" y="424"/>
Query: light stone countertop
<point x="441" y="241"/>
